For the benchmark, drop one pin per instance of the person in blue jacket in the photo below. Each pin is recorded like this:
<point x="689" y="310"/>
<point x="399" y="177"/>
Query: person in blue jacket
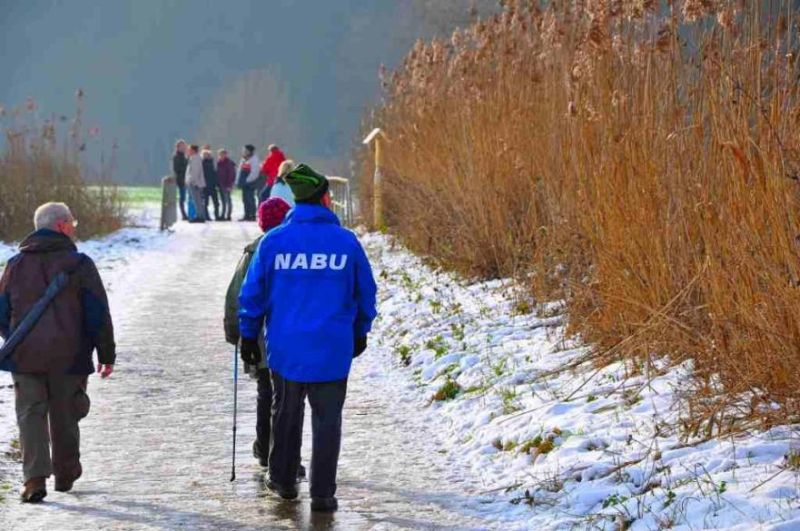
<point x="310" y="283"/>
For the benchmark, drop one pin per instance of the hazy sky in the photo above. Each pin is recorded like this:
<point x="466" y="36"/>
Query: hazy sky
<point x="153" y="70"/>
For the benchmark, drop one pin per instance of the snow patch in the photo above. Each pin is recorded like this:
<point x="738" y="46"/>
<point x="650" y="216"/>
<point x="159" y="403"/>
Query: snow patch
<point x="581" y="448"/>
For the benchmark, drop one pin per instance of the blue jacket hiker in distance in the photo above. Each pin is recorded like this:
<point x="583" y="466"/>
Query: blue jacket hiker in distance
<point x="311" y="285"/>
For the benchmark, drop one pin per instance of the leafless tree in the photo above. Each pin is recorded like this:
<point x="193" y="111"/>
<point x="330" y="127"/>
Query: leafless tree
<point x="254" y="108"/>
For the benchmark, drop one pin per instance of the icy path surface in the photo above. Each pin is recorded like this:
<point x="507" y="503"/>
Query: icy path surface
<point x="156" y="446"/>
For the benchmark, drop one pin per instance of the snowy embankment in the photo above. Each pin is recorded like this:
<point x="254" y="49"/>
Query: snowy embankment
<point x="587" y="447"/>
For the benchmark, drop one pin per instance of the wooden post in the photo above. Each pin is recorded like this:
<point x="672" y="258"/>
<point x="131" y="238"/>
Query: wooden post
<point x="169" y="202"/>
<point x="377" y="137"/>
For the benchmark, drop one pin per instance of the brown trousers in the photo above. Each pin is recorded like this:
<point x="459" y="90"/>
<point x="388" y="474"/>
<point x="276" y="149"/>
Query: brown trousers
<point x="49" y="407"/>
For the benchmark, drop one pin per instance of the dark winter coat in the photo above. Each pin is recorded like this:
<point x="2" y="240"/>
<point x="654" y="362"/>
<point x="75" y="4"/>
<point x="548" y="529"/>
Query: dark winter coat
<point x="231" y="320"/>
<point x="179" y="163"/>
<point x="226" y="173"/>
<point x="210" y="173"/>
<point x="76" y="323"/>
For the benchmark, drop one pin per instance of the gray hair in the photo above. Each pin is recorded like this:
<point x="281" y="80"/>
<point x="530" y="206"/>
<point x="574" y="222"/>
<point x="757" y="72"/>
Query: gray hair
<point x="48" y="215"/>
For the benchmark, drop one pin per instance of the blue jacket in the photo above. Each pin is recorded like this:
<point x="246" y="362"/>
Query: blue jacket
<point x="310" y="282"/>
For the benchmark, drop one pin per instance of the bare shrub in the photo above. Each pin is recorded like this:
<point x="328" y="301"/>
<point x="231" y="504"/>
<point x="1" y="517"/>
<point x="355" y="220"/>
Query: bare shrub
<point x="36" y="166"/>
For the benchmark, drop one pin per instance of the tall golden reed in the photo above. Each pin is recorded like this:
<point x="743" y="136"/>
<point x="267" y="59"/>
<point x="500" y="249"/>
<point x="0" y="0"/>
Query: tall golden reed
<point x="641" y="159"/>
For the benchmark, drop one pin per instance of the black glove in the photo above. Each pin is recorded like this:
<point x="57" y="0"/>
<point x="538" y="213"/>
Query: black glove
<point x="359" y="346"/>
<point x="250" y="351"/>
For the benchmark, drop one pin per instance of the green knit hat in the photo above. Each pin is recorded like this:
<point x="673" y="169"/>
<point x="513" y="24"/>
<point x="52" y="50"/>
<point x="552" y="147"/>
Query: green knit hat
<point x="306" y="183"/>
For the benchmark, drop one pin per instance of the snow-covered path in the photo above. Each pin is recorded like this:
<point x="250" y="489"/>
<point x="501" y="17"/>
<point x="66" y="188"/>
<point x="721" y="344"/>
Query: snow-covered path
<point x="459" y="416"/>
<point x="156" y="446"/>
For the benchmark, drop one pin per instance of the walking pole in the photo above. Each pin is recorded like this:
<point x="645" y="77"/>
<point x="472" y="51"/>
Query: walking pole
<point x="235" y="389"/>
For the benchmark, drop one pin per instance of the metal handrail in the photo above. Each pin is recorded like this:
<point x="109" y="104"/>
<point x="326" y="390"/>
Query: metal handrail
<point x="341" y="198"/>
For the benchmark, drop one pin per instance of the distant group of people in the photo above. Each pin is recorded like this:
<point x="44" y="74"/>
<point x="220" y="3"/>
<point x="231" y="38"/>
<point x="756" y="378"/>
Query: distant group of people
<point x="203" y="180"/>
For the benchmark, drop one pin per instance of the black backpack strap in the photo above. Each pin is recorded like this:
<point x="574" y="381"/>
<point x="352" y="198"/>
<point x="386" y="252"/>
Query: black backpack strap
<point x="36" y="311"/>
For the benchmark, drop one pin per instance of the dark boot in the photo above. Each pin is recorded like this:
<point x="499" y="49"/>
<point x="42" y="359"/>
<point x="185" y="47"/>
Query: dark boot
<point x="287" y="492"/>
<point x="34" y="490"/>
<point x="327" y="505"/>
<point x="64" y="484"/>
<point x="262" y="459"/>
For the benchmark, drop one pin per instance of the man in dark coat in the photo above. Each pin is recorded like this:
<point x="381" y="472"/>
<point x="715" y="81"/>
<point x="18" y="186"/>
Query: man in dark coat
<point x="212" y="183"/>
<point x="226" y="177"/>
<point x="179" y="163"/>
<point x="247" y="181"/>
<point x="50" y="367"/>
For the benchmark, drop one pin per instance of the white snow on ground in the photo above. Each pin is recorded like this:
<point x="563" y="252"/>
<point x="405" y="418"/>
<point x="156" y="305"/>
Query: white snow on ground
<point x="580" y="449"/>
<point x="588" y="448"/>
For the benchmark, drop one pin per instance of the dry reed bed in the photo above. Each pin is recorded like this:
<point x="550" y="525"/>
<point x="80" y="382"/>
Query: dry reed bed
<point x="642" y="159"/>
<point x="37" y="166"/>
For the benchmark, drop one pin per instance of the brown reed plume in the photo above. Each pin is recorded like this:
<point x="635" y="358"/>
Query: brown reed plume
<point x="639" y="158"/>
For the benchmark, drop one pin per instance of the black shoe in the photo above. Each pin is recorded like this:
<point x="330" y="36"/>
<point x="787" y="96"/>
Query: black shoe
<point x="284" y="491"/>
<point x="301" y="471"/>
<point x="64" y="484"/>
<point x="262" y="459"/>
<point x="327" y="505"/>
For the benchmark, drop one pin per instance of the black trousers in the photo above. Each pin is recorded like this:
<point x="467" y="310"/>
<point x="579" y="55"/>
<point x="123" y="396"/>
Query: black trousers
<point x="249" y="201"/>
<point x="288" y="405"/>
<point x="182" y="200"/>
<point x="263" y="195"/>
<point x="263" y="411"/>
<point x="211" y="193"/>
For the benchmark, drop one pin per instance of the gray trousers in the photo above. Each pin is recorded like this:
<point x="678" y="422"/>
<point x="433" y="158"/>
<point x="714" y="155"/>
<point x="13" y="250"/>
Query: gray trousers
<point x="49" y="407"/>
<point x="198" y="198"/>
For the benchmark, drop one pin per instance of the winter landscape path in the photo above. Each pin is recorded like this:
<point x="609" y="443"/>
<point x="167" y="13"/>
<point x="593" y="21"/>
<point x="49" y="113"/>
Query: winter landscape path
<point x="156" y="446"/>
